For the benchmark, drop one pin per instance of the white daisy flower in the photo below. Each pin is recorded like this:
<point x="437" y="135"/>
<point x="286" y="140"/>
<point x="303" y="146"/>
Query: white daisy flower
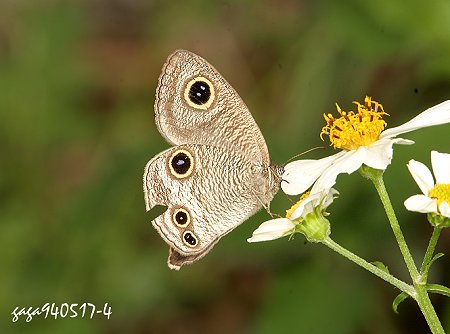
<point x="436" y="194"/>
<point x="280" y="227"/>
<point x="363" y="140"/>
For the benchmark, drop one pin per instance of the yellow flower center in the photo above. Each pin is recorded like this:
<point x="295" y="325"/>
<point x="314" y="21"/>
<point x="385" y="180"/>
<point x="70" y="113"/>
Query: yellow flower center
<point x="296" y="205"/>
<point x="355" y="129"/>
<point x="441" y="192"/>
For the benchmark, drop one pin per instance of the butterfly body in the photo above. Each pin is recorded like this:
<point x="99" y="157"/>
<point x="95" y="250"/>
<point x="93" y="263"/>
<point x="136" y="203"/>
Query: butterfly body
<point x="218" y="173"/>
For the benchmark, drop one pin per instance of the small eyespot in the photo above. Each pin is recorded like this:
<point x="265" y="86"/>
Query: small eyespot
<point x="181" y="217"/>
<point x="190" y="239"/>
<point x="181" y="164"/>
<point x="199" y="93"/>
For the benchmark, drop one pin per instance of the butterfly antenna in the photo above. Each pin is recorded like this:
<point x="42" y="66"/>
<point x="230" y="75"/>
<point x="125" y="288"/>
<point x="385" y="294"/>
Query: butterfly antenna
<point x="300" y="154"/>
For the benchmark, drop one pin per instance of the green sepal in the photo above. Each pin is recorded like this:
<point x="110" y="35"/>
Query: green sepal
<point x="314" y="226"/>
<point x="437" y="288"/>
<point x="381" y="265"/>
<point x="401" y="297"/>
<point x="292" y="236"/>
<point x="438" y="220"/>
<point x="370" y="173"/>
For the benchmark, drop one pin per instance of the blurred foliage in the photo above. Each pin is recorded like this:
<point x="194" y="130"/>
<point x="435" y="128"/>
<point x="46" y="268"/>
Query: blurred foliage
<point x="77" y="81"/>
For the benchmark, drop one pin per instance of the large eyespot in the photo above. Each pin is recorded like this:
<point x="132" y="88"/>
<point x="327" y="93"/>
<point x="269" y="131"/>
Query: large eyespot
<point x="181" y="217"/>
<point x="190" y="239"/>
<point x="199" y="93"/>
<point x="181" y="163"/>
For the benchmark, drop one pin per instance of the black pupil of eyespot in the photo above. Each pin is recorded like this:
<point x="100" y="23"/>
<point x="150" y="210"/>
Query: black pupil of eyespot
<point x="199" y="93"/>
<point x="181" y="163"/>
<point x="181" y="217"/>
<point x="189" y="238"/>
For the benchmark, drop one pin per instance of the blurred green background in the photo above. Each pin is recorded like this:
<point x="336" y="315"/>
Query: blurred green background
<point x="77" y="83"/>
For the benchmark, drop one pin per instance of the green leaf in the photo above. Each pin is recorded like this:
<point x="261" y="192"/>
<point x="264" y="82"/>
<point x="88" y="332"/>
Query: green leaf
<point x="381" y="265"/>
<point x="401" y="297"/>
<point x="437" y="256"/>
<point x="156" y="211"/>
<point x="428" y="265"/>
<point x="437" y="288"/>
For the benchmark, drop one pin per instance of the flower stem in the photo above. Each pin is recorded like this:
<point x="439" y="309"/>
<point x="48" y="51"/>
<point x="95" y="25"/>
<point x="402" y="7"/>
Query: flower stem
<point x="421" y="293"/>
<point x="429" y="254"/>
<point x="384" y="196"/>
<point x="409" y="289"/>
<point x="424" y="302"/>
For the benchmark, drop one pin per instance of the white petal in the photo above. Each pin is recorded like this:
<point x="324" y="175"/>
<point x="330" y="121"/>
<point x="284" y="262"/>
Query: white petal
<point x="441" y="167"/>
<point x="306" y="206"/>
<point x="379" y="154"/>
<point x="330" y="196"/>
<point x="439" y="114"/>
<point x="444" y="209"/>
<point x="322" y="199"/>
<point x="299" y="175"/>
<point x="421" y="203"/>
<point x="421" y="175"/>
<point x="348" y="162"/>
<point x="272" y="229"/>
<point x="401" y="141"/>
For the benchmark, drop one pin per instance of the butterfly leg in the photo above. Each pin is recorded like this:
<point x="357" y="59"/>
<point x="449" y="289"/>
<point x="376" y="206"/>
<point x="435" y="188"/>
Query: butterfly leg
<point x="266" y="206"/>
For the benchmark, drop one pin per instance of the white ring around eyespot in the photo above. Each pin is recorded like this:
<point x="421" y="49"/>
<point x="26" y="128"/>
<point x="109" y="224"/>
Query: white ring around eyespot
<point x="206" y="105"/>
<point x="173" y="172"/>
<point x="188" y="220"/>
<point x="187" y="243"/>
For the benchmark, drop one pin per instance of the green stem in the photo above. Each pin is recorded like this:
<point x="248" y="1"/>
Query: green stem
<point x="429" y="253"/>
<point x="424" y="302"/>
<point x="384" y="196"/>
<point x="421" y="293"/>
<point x="370" y="267"/>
